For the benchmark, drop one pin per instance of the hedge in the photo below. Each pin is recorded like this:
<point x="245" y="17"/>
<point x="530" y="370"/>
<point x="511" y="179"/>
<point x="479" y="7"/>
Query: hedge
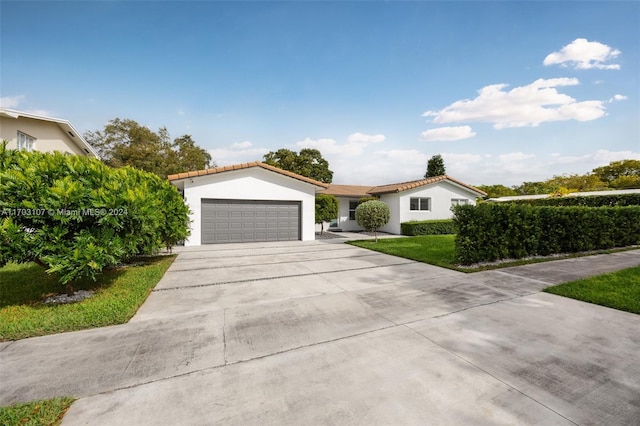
<point x="588" y="201"/>
<point x="490" y="231"/>
<point x="428" y="227"/>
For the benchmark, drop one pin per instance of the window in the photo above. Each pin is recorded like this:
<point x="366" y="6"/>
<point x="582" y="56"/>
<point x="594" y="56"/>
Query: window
<point x="420" y="204"/>
<point x="25" y="142"/>
<point x="352" y="209"/>
<point x="459" y="201"/>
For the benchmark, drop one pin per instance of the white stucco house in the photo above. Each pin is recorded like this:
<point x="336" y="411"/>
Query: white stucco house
<point x="32" y="132"/>
<point x="248" y="202"/>
<point x="424" y="199"/>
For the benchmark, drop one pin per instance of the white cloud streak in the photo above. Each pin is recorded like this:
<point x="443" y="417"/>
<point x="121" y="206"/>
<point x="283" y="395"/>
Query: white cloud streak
<point x="11" y="101"/>
<point x="236" y="153"/>
<point x="448" y="134"/>
<point x="583" y="54"/>
<point x="525" y="106"/>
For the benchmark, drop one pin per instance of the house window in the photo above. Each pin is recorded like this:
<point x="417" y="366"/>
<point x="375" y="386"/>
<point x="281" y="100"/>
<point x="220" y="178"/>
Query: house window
<point x="352" y="209"/>
<point x="459" y="201"/>
<point x="420" y="204"/>
<point x="25" y="142"/>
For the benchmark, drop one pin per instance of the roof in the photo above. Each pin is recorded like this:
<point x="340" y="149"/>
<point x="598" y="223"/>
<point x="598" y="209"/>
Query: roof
<point x="65" y="125"/>
<point x="361" y="191"/>
<point x="571" y="194"/>
<point x="216" y="170"/>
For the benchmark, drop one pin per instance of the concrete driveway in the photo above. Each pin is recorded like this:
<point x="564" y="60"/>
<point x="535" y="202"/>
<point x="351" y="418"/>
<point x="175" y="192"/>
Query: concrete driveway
<point x="327" y="333"/>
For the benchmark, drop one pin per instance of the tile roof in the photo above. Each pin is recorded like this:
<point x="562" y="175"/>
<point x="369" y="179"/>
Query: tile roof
<point x="403" y="186"/>
<point x="222" y="169"/>
<point x="347" y="190"/>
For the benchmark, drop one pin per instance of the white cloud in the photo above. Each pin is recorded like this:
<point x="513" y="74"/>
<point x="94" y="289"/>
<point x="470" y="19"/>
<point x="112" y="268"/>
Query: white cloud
<point x="361" y="137"/>
<point x="11" y="101"/>
<point x="601" y="157"/>
<point x="515" y="156"/>
<point x="617" y="98"/>
<point x="583" y="54"/>
<point x="448" y="134"/>
<point x="355" y="145"/>
<point x="523" y="106"/>
<point x="236" y="153"/>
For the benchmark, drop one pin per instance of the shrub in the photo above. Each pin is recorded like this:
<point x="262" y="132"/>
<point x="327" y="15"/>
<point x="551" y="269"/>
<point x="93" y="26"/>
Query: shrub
<point x="367" y="198"/>
<point x="428" y="227"/>
<point x="77" y="216"/>
<point x="326" y="209"/>
<point x="490" y="231"/>
<point x="372" y="215"/>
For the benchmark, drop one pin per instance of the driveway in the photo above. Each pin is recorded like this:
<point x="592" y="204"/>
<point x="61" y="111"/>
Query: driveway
<point x="326" y="333"/>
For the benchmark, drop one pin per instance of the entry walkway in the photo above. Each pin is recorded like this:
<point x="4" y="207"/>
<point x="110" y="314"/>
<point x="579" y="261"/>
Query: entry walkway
<point x="326" y="333"/>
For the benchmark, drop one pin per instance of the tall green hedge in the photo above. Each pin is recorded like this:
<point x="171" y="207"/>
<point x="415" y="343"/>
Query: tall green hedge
<point x="77" y="216"/>
<point x="491" y="231"/>
<point x="589" y="201"/>
<point x="428" y="227"/>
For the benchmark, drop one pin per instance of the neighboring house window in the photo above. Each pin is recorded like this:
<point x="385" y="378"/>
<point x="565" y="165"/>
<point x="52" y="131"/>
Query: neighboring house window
<point x="420" y="204"/>
<point x="352" y="209"/>
<point x="459" y="201"/>
<point x="25" y="142"/>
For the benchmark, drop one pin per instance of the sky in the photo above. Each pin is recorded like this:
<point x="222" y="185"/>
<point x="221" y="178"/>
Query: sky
<point x="506" y="91"/>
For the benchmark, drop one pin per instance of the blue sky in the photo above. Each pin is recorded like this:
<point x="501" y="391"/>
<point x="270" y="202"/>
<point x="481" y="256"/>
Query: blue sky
<point x="507" y="92"/>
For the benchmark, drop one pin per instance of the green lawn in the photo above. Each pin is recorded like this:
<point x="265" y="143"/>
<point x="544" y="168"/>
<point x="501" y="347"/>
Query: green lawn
<point x="48" y="412"/>
<point x="618" y="290"/>
<point x="433" y="249"/>
<point x="119" y="294"/>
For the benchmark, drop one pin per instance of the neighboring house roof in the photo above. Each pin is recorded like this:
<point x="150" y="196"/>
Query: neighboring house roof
<point x="571" y="194"/>
<point x="65" y="125"/>
<point x="361" y="191"/>
<point x="216" y="170"/>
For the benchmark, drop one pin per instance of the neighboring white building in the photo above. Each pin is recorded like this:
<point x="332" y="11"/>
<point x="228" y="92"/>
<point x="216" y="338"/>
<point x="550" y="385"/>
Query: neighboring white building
<point x="571" y="194"/>
<point x="33" y="132"/>
<point x="247" y="203"/>
<point x="425" y="199"/>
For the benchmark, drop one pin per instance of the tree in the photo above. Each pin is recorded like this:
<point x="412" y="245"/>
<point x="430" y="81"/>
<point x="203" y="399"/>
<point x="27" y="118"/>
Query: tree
<point x="309" y="163"/>
<point x="77" y="216"/>
<point x="326" y="209"/>
<point x="435" y="167"/>
<point x="620" y="174"/>
<point x="372" y="215"/>
<point x="127" y="143"/>
<point x="495" y="191"/>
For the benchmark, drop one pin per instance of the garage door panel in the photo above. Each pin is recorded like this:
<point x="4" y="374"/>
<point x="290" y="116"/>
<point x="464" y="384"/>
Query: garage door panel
<point x="226" y="221"/>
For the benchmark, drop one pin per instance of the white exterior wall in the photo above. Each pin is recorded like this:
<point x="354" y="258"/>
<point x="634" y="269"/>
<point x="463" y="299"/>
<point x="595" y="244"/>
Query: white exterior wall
<point x="252" y="183"/>
<point x="343" y="215"/>
<point x="49" y="137"/>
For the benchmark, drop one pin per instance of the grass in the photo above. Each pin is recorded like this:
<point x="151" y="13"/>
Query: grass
<point x="439" y="250"/>
<point x="618" y="290"/>
<point x="118" y="295"/>
<point x="48" y="412"/>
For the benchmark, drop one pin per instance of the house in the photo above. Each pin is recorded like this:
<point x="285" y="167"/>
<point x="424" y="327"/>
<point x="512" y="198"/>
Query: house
<point x="248" y="202"/>
<point x="424" y="199"/>
<point x="571" y="194"/>
<point x="34" y="132"/>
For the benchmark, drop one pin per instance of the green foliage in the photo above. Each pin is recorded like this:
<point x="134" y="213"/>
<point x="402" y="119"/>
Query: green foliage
<point x="428" y="227"/>
<point x="127" y="143"/>
<point x="367" y="198"/>
<point x="435" y="167"/>
<point x="590" y="201"/>
<point x="490" y="231"/>
<point x="618" y="290"/>
<point x="326" y="208"/>
<point x="372" y="215"/>
<point x="309" y="163"/>
<point x="495" y="191"/>
<point x="620" y="174"/>
<point x="433" y="249"/>
<point x="47" y="412"/>
<point x="77" y="216"/>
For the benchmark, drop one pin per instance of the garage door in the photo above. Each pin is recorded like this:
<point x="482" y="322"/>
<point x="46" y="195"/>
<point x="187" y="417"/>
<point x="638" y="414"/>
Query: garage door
<point x="239" y="221"/>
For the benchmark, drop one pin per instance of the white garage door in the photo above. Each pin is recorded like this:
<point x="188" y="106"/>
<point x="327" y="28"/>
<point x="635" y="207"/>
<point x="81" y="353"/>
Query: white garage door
<point x="239" y="221"/>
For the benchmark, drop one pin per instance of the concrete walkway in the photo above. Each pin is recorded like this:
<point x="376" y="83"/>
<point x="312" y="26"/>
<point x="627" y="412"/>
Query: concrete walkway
<point x="326" y="333"/>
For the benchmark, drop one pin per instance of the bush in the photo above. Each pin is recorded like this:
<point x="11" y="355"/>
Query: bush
<point x="372" y="215"/>
<point x="491" y="231"/>
<point x="428" y="227"/>
<point x="620" y="200"/>
<point x="77" y="216"/>
<point x="326" y="209"/>
<point x="362" y="200"/>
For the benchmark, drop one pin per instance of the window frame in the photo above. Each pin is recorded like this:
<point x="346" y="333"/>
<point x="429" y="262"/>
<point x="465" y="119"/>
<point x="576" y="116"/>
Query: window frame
<point x="419" y="204"/>
<point x="352" y="211"/>
<point x="23" y="139"/>
<point x="459" y="201"/>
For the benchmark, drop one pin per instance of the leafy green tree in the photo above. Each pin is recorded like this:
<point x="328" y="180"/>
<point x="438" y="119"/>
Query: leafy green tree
<point x="326" y="209"/>
<point x="127" y="143"/>
<point x="577" y="183"/>
<point x="495" y="191"/>
<point x="536" y="188"/>
<point x="620" y="174"/>
<point x="309" y="162"/>
<point x="77" y="216"/>
<point x="435" y="167"/>
<point x="373" y="215"/>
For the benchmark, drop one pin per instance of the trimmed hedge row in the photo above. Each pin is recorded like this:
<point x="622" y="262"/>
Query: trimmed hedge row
<point x="590" y="201"/>
<point x="428" y="227"/>
<point x="489" y="231"/>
